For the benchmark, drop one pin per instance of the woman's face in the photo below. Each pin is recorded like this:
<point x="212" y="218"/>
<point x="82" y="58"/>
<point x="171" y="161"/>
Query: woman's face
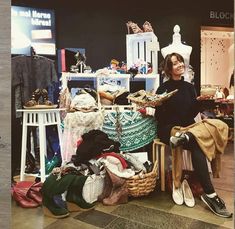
<point x="177" y="68"/>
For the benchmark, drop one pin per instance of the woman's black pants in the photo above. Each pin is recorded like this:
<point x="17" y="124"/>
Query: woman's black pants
<point x="200" y="165"/>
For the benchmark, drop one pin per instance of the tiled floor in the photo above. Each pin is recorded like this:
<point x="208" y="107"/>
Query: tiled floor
<point x="154" y="211"/>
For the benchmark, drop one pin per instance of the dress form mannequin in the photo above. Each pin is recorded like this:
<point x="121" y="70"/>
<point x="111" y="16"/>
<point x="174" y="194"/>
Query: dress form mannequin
<point x="178" y="47"/>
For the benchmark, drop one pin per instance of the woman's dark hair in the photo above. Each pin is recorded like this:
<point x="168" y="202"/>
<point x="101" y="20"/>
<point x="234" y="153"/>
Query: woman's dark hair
<point x="167" y="65"/>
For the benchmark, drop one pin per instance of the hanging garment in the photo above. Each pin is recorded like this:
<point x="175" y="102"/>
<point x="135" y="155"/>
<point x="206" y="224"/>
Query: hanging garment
<point x="28" y="74"/>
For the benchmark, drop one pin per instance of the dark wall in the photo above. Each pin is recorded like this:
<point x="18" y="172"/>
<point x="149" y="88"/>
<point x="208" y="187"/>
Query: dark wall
<point x="100" y="27"/>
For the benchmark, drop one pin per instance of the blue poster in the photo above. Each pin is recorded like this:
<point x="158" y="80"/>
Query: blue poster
<point x="32" y="27"/>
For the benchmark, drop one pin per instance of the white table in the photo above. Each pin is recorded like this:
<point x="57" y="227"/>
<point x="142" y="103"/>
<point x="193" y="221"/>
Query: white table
<point x="39" y="118"/>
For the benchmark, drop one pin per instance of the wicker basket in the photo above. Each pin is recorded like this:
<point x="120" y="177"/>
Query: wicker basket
<point x="208" y="90"/>
<point x="142" y="185"/>
<point x="145" y="99"/>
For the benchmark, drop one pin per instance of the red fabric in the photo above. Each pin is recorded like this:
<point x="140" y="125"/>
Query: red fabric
<point x="79" y="141"/>
<point x="113" y="154"/>
<point x="142" y="111"/>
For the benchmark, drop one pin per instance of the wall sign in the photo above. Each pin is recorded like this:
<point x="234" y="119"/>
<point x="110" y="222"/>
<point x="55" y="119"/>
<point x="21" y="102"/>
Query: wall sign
<point x="221" y="15"/>
<point x="32" y="27"/>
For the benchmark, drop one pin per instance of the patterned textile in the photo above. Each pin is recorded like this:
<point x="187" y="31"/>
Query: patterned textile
<point x="75" y="125"/>
<point x="130" y="128"/>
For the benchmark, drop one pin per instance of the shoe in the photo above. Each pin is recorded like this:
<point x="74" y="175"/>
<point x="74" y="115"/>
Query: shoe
<point x="216" y="205"/>
<point x="51" y="209"/>
<point x="30" y="164"/>
<point x="177" y="195"/>
<point x="45" y="98"/>
<point x="188" y="195"/>
<point x="53" y="187"/>
<point x="147" y="27"/>
<point x="131" y="26"/>
<point x="178" y="140"/>
<point x="34" y="98"/>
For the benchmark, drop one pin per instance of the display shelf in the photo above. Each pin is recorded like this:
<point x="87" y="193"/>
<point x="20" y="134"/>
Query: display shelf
<point x="122" y="80"/>
<point x="151" y="80"/>
<point x="67" y="76"/>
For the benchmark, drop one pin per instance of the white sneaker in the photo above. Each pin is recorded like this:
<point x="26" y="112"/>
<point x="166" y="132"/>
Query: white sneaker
<point x="188" y="195"/>
<point x="178" y="140"/>
<point x="177" y="195"/>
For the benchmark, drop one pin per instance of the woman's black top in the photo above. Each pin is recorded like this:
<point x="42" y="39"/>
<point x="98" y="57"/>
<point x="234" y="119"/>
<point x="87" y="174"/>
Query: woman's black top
<point x="179" y="110"/>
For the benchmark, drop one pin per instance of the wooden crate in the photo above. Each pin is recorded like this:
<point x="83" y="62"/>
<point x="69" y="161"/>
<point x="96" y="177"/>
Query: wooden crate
<point x="144" y="46"/>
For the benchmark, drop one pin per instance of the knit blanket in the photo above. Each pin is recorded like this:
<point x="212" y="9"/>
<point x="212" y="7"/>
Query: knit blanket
<point x="130" y="128"/>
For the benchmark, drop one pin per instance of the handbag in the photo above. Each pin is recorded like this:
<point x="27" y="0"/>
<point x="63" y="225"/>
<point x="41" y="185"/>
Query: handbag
<point x="35" y="192"/>
<point x="192" y="179"/>
<point x="27" y="194"/>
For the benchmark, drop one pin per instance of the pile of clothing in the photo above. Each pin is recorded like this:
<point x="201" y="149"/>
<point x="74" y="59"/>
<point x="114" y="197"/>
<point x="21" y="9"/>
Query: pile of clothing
<point x="85" y="100"/>
<point x="97" y="172"/>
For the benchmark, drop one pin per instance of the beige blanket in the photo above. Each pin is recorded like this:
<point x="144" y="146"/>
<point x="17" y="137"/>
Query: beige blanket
<point x="212" y="137"/>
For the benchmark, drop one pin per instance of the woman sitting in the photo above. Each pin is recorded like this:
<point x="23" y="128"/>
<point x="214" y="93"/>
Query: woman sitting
<point x="180" y="110"/>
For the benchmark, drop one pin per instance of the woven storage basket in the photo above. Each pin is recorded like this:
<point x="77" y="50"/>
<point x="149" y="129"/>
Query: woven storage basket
<point x="142" y="184"/>
<point x="142" y="99"/>
<point x="208" y="90"/>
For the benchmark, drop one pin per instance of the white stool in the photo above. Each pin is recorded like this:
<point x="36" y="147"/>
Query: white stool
<point x="39" y="118"/>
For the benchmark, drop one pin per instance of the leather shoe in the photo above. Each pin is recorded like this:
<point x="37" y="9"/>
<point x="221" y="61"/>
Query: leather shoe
<point x="177" y="195"/>
<point x="188" y="195"/>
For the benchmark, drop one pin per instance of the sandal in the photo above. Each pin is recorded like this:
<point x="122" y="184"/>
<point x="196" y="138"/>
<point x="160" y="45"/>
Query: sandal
<point x="134" y="27"/>
<point x="45" y="98"/>
<point x="147" y="27"/>
<point x="34" y="98"/>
